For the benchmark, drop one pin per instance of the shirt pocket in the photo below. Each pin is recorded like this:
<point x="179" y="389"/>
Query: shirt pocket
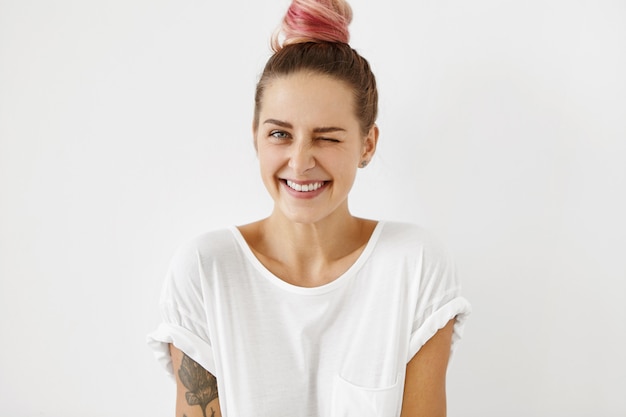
<point x="350" y="400"/>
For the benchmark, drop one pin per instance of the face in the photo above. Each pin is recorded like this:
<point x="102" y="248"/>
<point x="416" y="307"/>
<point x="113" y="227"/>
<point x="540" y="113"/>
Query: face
<point x="310" y="144"/>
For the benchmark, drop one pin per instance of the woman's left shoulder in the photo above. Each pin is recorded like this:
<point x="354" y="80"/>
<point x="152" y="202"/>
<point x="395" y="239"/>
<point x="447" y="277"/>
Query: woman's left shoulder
<point x="412" y="240"/>
<point x="405" y="232"/>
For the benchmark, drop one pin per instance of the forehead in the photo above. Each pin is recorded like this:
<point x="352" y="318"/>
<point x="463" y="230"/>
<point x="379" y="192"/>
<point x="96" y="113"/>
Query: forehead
<point x="306" y="95"/>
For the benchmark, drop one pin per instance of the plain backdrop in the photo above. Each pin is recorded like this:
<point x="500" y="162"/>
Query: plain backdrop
<point x="125" y="130"/>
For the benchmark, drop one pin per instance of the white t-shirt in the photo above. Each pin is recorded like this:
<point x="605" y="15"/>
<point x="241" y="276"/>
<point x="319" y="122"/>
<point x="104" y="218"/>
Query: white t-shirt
<point x="277" y="349"/>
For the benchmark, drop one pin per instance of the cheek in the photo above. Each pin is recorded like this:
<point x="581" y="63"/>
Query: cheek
<point x="268" y="161"/>
<point x="348" y="159"/>
<point x="345" y="166"/>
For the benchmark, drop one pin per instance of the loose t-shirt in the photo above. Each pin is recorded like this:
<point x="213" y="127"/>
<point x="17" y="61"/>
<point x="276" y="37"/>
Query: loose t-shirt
<point x="340" y="349"/>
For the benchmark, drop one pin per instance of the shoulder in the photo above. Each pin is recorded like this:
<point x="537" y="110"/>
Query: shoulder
<point x="205" y="248"/>
<point x="403" y="234"/>
<point x="188" y="267"/>
<point x="411" y="241"/>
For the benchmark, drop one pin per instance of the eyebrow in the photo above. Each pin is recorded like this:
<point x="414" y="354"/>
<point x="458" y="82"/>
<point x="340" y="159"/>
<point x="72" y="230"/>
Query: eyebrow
<point x="316" y="130"/>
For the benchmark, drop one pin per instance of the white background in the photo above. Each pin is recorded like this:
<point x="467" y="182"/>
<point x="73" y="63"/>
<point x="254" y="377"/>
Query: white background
<point x="125" y="130"/>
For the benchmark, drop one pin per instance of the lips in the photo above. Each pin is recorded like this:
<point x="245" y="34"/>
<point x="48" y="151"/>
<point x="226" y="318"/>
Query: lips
<point x="305" y="187"/>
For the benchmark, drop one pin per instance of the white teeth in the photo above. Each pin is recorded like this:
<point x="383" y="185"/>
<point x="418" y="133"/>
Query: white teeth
<point x="306" y="187"/>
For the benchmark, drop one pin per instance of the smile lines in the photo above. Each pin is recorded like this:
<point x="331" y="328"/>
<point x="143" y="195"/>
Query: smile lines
<point x="304" y="187"/>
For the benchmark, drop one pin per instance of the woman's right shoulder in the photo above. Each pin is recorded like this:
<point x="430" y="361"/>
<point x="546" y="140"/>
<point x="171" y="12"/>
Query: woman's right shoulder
<point x="192" y="267"/>
<point x="207" y="246"/>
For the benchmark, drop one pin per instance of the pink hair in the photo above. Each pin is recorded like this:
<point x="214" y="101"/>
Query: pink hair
<point x="315" y="39"/>
<point x="314" y="21"/>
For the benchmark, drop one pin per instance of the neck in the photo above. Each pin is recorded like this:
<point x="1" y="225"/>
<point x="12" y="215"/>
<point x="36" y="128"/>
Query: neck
<point x="309" y="254"/>
<point x="326" y="240"/>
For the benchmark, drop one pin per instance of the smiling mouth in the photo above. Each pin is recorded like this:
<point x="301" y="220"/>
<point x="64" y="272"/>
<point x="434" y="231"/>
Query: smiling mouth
<point x="305" y="188"/>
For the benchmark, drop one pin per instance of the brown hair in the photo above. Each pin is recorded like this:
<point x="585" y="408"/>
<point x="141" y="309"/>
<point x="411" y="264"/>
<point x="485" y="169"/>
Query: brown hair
<point x="302" y="51"/>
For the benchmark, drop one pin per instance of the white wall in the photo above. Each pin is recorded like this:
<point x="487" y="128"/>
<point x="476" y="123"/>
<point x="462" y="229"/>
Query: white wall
<point x="125" y="130"/>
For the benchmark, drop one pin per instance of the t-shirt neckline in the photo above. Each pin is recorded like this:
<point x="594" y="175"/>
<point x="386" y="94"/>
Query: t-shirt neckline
<point x="322" y="289"/>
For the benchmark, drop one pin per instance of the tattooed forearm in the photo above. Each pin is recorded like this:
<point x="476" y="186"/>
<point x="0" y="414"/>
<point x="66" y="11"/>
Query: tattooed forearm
<point x="201" y="385"/>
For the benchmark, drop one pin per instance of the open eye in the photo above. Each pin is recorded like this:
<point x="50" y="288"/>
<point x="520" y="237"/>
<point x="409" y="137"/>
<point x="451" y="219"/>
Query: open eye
<point x="279" y="134"/>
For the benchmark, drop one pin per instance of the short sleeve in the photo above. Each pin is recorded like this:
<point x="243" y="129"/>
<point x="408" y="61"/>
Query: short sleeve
<point x="439" y="298"/>
<point x="183" y="313"/>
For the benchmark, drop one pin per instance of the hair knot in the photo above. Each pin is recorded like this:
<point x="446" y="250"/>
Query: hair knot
<point x="314" y="21"/>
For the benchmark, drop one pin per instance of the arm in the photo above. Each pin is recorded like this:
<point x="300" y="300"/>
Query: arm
<point x="196" y="388"/>
<point x="425" y="386"/>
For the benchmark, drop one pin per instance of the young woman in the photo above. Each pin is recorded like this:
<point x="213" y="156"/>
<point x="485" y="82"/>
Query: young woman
<point x="311" y="311"/>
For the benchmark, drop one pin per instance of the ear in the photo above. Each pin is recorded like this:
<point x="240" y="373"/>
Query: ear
<point x="369" y="144"/>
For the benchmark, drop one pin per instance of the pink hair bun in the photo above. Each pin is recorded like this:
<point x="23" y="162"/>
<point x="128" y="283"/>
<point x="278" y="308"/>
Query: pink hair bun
<point x="314" y="21"/>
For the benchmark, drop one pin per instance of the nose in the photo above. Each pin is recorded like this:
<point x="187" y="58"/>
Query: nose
<point x="301" y="158"/>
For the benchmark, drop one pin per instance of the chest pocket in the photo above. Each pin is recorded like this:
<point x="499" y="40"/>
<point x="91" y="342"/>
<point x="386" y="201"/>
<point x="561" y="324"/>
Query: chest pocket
<point x="350" y="400"/>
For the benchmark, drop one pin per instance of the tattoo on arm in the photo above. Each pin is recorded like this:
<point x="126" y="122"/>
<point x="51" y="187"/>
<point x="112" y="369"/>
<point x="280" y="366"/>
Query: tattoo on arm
<point x="201" y="385"/>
